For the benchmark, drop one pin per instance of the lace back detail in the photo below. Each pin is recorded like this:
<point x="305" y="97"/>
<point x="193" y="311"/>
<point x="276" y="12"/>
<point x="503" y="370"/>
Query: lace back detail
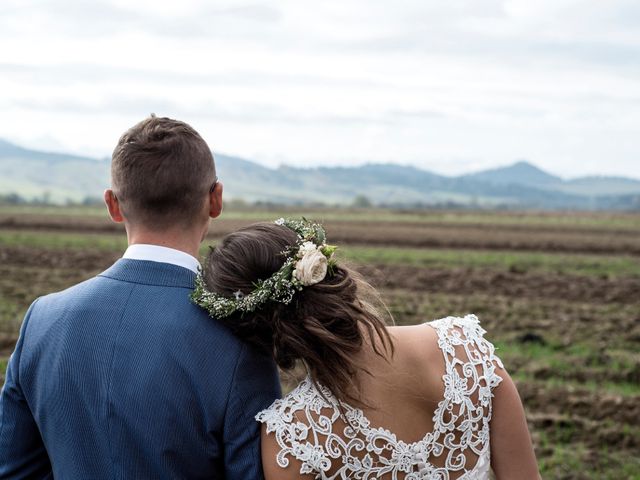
<point x="309" y="428"/>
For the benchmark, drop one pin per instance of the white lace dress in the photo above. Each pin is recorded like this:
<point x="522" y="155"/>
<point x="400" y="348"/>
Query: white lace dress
<point x="309" y="428"/>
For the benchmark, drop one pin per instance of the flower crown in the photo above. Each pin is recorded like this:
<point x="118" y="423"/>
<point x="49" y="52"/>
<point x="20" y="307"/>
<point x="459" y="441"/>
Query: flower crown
<point x="307" y="262"/>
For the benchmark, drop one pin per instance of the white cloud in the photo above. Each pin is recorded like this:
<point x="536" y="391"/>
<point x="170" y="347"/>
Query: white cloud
<point x="443" y="85"/>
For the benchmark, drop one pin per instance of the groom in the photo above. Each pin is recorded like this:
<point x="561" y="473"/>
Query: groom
<point x="121" y="376"/>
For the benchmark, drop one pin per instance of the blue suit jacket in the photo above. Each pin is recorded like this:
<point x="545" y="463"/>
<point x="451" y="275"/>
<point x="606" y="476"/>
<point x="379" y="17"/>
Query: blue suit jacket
<point x="122" y="377"/>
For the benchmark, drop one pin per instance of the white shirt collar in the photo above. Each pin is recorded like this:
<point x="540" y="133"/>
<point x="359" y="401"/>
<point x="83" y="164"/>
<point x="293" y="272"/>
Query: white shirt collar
<point x="156" y="253"/>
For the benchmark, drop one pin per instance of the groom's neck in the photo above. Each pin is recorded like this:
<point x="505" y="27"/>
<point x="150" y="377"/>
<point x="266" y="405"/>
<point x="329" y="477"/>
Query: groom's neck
<point x="183" y="241"/>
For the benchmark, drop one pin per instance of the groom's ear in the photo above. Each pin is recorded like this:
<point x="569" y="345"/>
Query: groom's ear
<point x="215" y="200"/>
<point x="113" y="206"/>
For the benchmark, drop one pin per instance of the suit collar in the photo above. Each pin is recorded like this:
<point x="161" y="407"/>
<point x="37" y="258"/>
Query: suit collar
<point x="150" y="273"/>
<point x="158" y="253"/>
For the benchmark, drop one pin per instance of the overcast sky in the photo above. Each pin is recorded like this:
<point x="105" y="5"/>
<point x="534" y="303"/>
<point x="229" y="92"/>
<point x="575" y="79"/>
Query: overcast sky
<point x="447" y="85"/>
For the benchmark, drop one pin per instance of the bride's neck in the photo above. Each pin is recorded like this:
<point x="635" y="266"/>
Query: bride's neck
<point x="375" y="352"/>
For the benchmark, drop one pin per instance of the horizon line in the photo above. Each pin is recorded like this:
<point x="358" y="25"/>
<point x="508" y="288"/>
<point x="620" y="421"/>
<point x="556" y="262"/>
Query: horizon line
<point x="355" y="165"/>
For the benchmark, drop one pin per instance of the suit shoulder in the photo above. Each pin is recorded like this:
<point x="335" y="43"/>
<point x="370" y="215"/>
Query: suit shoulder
<point x="223" y="334"/>
<point x="74" y="291"/>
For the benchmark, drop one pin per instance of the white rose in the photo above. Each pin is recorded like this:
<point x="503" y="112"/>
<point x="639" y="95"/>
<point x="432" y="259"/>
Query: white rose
<point x="311" y="268"/>
<point x="307" y="247"/>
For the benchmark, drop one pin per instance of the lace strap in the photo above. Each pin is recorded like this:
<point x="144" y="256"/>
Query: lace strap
<point x="467" y="333"/>
<point x="291" y="420"/>
<point x="463" y="417"/>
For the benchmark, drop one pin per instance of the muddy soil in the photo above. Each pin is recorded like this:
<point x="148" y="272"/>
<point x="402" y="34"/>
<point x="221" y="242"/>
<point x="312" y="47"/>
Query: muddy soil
<point x="512" y="284"/>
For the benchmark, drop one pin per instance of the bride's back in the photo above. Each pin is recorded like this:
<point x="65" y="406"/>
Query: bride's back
<point x="426" y="411"/>
<point x="403" y="391"/>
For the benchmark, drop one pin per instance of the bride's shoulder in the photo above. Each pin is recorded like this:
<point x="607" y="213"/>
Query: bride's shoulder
<point x="426" y="344"/>
<point x="425" y="338"/>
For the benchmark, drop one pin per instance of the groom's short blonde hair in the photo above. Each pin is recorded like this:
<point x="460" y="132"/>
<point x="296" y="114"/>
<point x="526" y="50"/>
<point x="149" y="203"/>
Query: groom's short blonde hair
<point x="161" y="170"/>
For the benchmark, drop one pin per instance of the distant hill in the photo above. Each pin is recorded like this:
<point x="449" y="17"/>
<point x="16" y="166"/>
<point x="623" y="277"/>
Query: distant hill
<point x="49" y="176"/>
<point x="60" y="178"/>
<point x="520" y="173"/>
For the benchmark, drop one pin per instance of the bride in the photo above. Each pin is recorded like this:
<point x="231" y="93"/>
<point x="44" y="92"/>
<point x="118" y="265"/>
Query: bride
<point x="431" y="401"/>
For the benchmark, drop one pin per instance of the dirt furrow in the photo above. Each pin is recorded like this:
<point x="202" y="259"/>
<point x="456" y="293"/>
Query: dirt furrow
<point x="512" y="284"/>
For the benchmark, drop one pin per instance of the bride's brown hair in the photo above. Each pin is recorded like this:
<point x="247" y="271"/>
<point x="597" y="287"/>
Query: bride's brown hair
<point x="324" y="326"/>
